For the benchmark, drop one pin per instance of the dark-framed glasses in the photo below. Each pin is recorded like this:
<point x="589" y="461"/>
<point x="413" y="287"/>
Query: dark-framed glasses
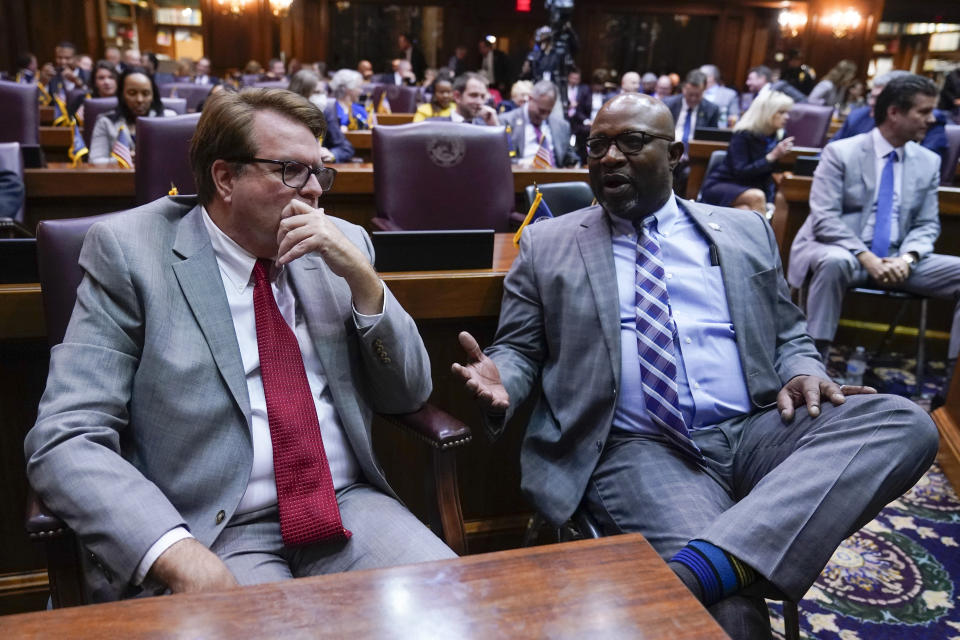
<point x="295" y="174"/>
<point x="629" y="143"/>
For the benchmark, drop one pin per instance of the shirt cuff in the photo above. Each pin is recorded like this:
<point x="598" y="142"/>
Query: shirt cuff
<point x="165" y="541"/>
<point x="362" y="321"/>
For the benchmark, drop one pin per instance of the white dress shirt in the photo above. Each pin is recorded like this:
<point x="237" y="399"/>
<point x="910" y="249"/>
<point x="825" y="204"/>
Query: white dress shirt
<point x="678" y="132"/>
<point x="236" y="270"/>
<point x="882" y="149"/>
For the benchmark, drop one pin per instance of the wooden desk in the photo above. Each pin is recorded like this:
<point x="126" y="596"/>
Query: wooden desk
<point x="60" y="191"/>
<point x="608" y="588"/>
<point x="394" y="118"/>
<point x="700" y="151"/>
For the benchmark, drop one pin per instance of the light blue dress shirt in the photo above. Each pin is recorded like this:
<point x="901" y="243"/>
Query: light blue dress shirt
<point x="710" y="380"/>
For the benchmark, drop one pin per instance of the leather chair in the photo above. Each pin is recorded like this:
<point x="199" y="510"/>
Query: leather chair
<point x="248" y="79"/>
<point x="58" y="249"/>
<point x="92" y="108"/>
<point x="163" y="156"/>
<point x="808" y="124"/>
<point x="442" y="175"/>
<point x="21" y="119"/>
<point x="948" y="169"/>
<point x="75" y="93"/>
<point x="175" y="104"/>
<point x="11" y="160"/>
<point x="562" y="197"/>
<point x="401" y="99"/>
<point x="194" y="93"/>
<point x="716" y="157"/>
<point x="271" y="84"/>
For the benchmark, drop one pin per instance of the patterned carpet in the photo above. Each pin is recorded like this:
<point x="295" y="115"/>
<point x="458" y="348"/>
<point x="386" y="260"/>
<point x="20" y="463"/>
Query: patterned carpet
<point x="897" y="578"/>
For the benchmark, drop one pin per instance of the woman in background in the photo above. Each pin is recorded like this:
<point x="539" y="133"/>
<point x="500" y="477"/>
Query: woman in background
<point x="832" y="88"/>
<point x="441" y="104"/>
<point x="346" y="86"/>
<point x="335" y="146"/>
<point x="745" y="177"/>
<point x="138" y="97"/>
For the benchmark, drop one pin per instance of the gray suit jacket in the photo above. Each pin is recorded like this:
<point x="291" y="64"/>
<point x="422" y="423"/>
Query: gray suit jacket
<point x="841" y="201"/>
<point x="564" y="155"/>
<point x="144" y="423"/>
<point x="560" y="330"/>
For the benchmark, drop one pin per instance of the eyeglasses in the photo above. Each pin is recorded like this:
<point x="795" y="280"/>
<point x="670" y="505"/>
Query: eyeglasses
<point x="629" y="143"/>
<point x="295" y="174"/>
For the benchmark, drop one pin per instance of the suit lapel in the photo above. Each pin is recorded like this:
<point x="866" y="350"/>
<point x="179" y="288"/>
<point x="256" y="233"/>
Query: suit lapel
<point x="199" y="277"/>
<point x="907" y="179"/>
<point x="594" y="241"/>
<point x="868" y="171"/>
<point x="519" y="123"/>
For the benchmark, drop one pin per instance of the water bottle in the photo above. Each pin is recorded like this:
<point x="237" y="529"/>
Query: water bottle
<point x="856" y="367"/>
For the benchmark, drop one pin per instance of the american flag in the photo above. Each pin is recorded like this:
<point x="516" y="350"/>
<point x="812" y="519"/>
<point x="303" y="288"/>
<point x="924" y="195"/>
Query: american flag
<point x="121" y="148"/>
<point x="543" y="159"/>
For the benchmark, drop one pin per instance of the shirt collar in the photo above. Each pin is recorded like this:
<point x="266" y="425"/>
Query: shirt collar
<point x="235" y="261"/>
<point x="882" y="147"/>
<point x="665" y="218"/>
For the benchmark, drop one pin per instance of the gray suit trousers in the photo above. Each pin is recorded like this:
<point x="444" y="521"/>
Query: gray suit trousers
<point x="781" y="497"/>
<point x="836" y="269"/>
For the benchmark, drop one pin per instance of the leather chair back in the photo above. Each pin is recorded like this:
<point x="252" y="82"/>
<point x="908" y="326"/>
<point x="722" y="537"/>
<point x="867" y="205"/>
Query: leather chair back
<point x="442" y="175"/>
<point x="193" y="93"/>
<point x="272" y="84"/>
<point x="248" y="79"/>
<point x="716" y="159"/>
<point x="948" y="168"/>
<point x="401" y="99"/>
<point x="175" y="104"/>
<point x="73" y="94"/>
<point x="93" y="107"/>
<point x="58" y="256"/>
<point x="163" y="156"/>
<point x="21" y="118"/>
<point x="808" y="124"/>
<point x="562" y="197"/>
<point x="11" y="160"/>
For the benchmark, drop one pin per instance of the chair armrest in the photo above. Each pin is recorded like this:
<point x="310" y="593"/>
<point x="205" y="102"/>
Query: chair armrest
<point x="516" y="219"/>
<point x="434" y="426"/>
<point x="384" y="224"/>
<point x="40" y="523"/>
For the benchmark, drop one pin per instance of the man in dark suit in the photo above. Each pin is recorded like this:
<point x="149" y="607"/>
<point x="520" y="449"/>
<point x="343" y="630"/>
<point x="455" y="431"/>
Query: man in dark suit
<point x="201" y="73"/>
<point x="578" y="103"/>
<point x="678" y="394"/>
<point x="495" y="65"/>
<point x="539" y="137"/>
<point x="401" y="76"/>
<point x="413" y="55"/>
<point x="690" y="110"/>
<point x="761" y="79"/>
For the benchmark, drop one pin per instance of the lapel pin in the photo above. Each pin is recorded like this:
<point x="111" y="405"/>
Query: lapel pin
<point x="714" y="226"/>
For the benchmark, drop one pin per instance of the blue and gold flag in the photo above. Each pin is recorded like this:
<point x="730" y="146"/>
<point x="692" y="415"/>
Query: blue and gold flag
<point x="539" y="211"/>
<point x="79" y="148"/>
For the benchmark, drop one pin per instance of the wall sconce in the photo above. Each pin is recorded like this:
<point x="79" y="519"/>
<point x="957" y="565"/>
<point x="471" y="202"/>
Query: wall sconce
<point x="843" y="22"/>
<point x="280" y="8"/>
<point x="232" y="7"/>
<point x="791" y="22"/>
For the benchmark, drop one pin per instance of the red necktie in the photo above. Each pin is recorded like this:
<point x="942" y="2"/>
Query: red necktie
<point x="305" y="496"/>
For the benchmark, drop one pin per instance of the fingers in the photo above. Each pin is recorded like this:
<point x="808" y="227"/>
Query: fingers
<point x="785" y="404"/>
<point x="811" y="396"/>
<point x="830" y="389"/>
<point x="855" y="390"/>
<point x="470" y="345"/>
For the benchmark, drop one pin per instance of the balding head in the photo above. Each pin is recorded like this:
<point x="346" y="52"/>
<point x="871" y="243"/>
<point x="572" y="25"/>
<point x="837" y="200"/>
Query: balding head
<point x="630" y="82"/>
<point x="635" y="183"/>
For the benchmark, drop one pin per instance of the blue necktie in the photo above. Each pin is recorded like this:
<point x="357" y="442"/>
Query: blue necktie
<point x="881" y="227"/>
<point x="686" y="130"/>
<point x="658" y="362"/>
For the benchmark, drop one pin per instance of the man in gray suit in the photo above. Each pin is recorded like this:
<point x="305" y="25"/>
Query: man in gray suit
<point x="161" y="436"/>
<point x="525" y="127"/>
<point x="841" y="244"/>
<point x="679" y="395"/>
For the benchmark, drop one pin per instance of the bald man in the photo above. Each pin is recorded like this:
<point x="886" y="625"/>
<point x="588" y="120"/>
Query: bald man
<point x="630" y="82"/>
<point x="679" y="395"/>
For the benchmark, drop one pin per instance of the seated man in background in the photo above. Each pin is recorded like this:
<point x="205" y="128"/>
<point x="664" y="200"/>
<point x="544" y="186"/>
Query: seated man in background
<point x="874" y="215"/>
<point x="678" y="393"/>
<point x="630" y="82"/>
<point x="470" y="95"/>
<point x="724" y="97"/>
<point x="861" y="120"/>
<point x="540" y="138"/>
<point x="689" y="111"/>
<point x="206" y="421"/>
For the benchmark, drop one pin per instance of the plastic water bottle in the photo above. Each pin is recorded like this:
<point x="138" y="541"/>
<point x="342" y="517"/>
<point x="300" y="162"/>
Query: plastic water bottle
<point x="856" y="367"/>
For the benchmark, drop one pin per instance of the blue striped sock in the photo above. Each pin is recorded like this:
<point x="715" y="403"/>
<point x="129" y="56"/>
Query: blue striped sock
<point x="720" y="574"/>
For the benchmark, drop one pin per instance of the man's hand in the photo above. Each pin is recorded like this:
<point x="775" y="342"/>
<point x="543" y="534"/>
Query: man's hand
<point x="810" y="391"/>
<point x="304" y="229"/>
<point x="885" y="271"/>
<point x="189" y="567"/>
<point x="481" y="376"/>
<point x="489" y="116"/>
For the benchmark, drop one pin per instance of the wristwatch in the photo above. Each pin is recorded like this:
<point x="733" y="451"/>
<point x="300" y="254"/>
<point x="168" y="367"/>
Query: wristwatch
<point x="909" y="259"/>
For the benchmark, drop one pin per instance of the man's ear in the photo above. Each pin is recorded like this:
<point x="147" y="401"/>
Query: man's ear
<point x="224" y="177"/>
<point x="676" y="153"/>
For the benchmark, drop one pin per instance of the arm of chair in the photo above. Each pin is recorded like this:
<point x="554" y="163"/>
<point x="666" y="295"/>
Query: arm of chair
<point x="63" y="561"/>
<point x="516" y="219"/>
<point x="384" y="224"/>
<point x="444" y="434"/>
<point x="434" y="426"/>
<point x="40" y="523"/>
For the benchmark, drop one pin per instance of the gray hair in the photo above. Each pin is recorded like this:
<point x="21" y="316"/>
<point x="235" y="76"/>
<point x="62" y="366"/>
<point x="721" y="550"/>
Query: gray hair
<point x="344" y="80"/>
<point x="711" y="71"/>
<point x="886" y="78"/>
<point x="542" y="88"/>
